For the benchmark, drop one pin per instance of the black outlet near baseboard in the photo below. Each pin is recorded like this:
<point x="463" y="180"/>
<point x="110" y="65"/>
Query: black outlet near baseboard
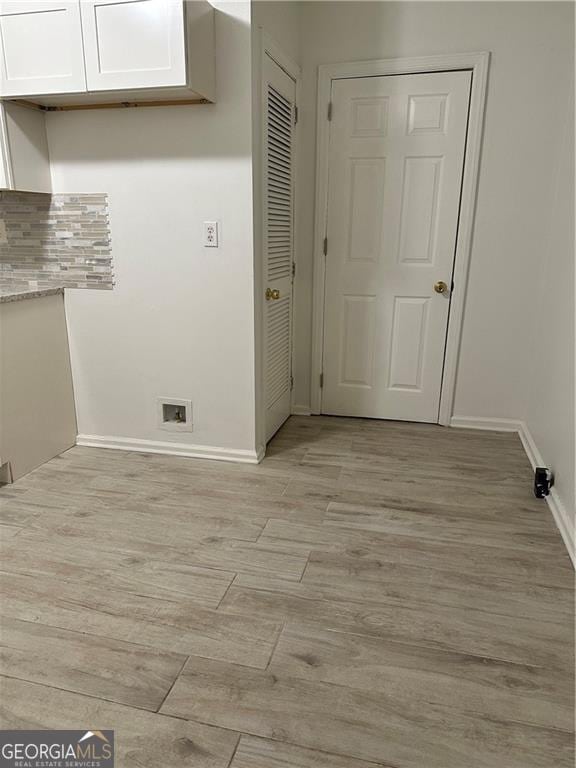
<point x="543" y="481"/>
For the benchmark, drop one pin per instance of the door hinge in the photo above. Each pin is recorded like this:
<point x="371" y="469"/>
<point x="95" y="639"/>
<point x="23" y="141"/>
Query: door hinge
<point x="295" y="114"/>
<point x="293" y="270"/>
<point x="329" y="110"/>
<point x="452" y="286"/>
<point x="321" y="381"/>
<point x="291" y="383"/>
<point x="325" y="246"/>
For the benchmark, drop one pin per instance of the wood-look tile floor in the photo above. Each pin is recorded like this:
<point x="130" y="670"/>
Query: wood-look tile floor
<point x="373" y="594"/>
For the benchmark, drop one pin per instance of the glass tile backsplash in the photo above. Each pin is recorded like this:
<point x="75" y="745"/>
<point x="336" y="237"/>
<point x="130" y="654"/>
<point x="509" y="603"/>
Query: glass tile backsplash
<point x="54" y="240"/>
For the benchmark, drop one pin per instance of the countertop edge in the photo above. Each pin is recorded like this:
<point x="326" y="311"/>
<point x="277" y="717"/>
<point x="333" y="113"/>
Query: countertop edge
<point x="19" y="294"/>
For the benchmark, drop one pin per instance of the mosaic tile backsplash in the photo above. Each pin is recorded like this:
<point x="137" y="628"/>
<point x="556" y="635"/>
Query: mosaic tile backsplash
<point x="55" y="240"/>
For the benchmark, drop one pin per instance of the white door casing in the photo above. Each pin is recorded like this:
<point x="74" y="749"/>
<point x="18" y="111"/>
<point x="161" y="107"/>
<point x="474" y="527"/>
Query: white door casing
<point x="278" y="240"/>
<point x="40" y="48"/>
<point x="395" y="171"/>
<point x="134" y="43"/>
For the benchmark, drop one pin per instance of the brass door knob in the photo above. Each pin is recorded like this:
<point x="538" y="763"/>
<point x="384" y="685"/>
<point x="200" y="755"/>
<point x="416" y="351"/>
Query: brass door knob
<point x="272" y="293"/>
<point x="440" y="287"/>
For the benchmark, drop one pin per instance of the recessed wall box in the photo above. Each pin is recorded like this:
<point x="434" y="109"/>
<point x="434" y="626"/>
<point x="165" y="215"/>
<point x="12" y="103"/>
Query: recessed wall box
<point x="174" y="414"/>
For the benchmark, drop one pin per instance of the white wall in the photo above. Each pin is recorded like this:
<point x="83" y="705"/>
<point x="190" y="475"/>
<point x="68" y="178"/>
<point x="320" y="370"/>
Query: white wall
<point x="550" y="416"/>
<point x="280" y="19"/>
<point x="179" y="322"/>
<point x="529" y="77"/>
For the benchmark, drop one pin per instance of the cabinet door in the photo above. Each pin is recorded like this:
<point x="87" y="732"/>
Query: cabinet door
<point x="40" y="48"/>
<point x="133" y="43"/>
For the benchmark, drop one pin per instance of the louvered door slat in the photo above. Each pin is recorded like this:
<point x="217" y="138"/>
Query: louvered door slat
<point x="278" y="242"/>
<point x="278" y="373"/>
<point x="279" y="193"/>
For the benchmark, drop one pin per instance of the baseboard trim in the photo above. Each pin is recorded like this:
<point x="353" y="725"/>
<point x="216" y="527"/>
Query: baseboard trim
<point x="559" y="511"/>
<point x="557" y="507"/>
<point x="300" y="410"/>
<point x="494" y="425"/>
<point x="170" y="449"/>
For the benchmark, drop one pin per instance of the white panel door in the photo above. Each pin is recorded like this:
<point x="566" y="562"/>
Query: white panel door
<point x="134" y="43"/>
<point x="395" y="171"/>
<point x="41" y="48"/>
<point x="278" y="241"/>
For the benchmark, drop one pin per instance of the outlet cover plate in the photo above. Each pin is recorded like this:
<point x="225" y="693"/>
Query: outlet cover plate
<point x="211" y="234"/>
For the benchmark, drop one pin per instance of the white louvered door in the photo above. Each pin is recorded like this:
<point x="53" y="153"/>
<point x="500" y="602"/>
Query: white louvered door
<point x="279" y="107"/>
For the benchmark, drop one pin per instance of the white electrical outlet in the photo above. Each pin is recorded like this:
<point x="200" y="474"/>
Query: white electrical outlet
<point x="3" y="235"/>
<point x="211" y="234"/>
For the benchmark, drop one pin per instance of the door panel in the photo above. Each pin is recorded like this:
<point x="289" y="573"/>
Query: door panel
<point x="278" y="242"/>
<point x="366" y="201"/>
<point x="357" y="360"/>
<point x="408" y="341"/>
<point x="419" y="211"/>
<point x="395" y="169"/>
<point x="133" y="43"/>
<point x="41" y="48"/>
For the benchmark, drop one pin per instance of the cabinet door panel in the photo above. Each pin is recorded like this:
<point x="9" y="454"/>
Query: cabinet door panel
<point x="41" y="48"/>
<point x="133" y="43"/>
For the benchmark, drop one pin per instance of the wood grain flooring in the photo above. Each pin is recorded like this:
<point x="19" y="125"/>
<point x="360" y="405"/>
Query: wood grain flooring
<point x="373" y="595"/>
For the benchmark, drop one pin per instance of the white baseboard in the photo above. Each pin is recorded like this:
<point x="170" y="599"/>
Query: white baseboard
<point x="301" y="410"/>
<point x="560" y="514"/>
<point x="171" y="449"/>
<point x="477" y="422"/>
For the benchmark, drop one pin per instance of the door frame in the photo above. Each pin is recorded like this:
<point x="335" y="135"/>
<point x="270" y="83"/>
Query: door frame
<point x="478" y="64"/>
<point x="268" y="47"/>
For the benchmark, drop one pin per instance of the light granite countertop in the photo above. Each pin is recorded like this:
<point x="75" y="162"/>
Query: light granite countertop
<point x="18" y="294"/>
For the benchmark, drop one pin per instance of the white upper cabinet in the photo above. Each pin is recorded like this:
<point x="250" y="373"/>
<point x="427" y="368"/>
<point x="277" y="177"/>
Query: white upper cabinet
<point x="58" y="53"/>
<point x="40" y="48"/>
<point x="134" y="44"/>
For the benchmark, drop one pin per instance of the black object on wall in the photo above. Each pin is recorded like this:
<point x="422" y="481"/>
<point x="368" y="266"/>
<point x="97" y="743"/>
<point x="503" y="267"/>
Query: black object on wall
<point x="543" y="481"/>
